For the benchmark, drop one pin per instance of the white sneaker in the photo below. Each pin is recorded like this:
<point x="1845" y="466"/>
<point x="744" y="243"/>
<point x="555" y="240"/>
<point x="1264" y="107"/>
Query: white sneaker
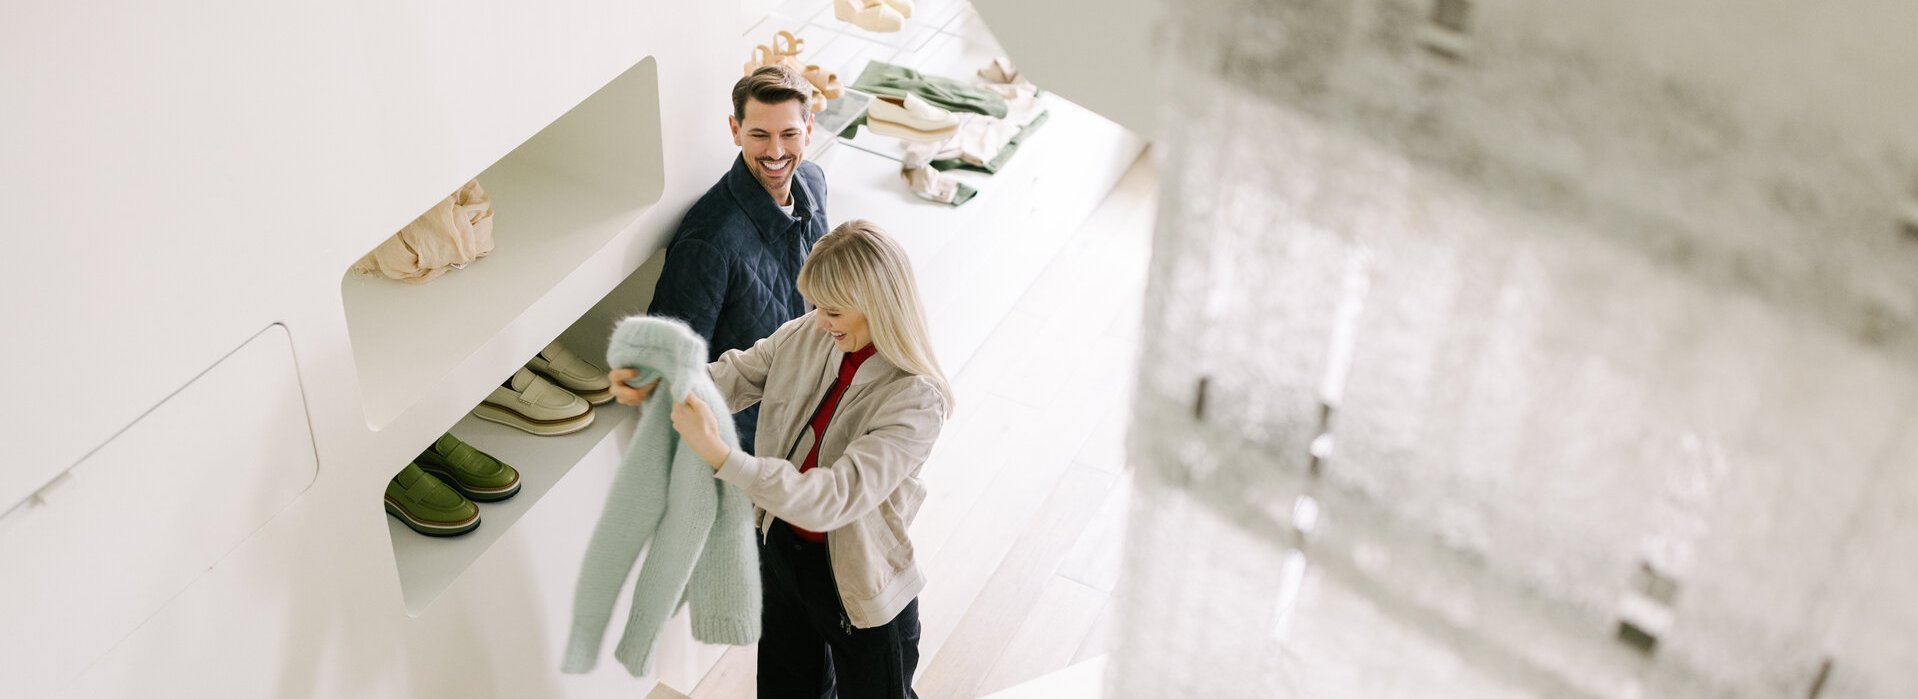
<point x="572" y="373"/>
<point x="535" y="405"/>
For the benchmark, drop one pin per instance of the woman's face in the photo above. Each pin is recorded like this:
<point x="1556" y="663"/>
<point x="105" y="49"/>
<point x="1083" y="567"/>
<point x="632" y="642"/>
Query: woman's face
<point x="848" y="328"/>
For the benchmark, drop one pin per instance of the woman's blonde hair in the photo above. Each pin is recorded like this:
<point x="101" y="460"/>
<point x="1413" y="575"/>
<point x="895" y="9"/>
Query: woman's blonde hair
<point x="858" y="266"/>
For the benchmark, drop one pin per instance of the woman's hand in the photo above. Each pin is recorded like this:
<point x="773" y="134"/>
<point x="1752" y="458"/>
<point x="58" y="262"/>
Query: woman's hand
<point x="627" y="395"/>
<point x="697" y="425"/>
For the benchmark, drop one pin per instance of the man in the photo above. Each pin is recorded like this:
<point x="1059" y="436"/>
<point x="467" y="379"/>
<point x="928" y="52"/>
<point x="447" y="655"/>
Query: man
<point x="731" y="265"/>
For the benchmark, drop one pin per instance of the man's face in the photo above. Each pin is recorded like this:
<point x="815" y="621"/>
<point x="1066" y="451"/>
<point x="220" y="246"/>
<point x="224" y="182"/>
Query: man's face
<point x="773" y="138"/>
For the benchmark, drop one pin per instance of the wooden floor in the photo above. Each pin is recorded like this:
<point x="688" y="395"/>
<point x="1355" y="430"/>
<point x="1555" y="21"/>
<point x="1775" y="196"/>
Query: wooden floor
<point x="1021" y="529"/>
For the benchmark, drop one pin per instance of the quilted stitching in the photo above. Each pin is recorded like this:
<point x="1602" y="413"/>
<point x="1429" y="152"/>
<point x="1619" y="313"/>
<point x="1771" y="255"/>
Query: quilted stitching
<point x="731" y="266"/>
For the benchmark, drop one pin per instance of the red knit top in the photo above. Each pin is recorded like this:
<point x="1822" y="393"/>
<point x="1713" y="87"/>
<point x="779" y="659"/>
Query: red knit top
<point x="848" y="365"/>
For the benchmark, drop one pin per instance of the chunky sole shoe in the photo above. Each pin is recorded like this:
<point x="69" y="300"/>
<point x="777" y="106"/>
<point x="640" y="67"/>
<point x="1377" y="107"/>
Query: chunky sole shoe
<point x="429" y="527"/>
<point x="870" y="15"/>
<point x="474" y="493"/>
<point x="474" y="473"/>
<point x="910" y="118"/>
<point x="566" y="370"/>
<point x="762" y="56"/>
<point x="596" y="397"/>
<point x="907" y="133"/>
<point x="543" y="428"/>
<point x="531" y="403"/>
<point x="427" y="505"/>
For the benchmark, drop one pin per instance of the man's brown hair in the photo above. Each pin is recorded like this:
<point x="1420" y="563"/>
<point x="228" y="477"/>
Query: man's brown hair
<point x="772" y="84"/>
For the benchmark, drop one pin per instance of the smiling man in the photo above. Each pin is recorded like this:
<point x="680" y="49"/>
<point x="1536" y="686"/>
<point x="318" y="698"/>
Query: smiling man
<point x="731" y="265"/>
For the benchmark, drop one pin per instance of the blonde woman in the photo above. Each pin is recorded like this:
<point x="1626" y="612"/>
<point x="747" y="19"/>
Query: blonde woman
<point x="851" y="401"/>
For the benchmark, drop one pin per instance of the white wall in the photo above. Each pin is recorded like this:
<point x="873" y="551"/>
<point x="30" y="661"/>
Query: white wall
<point x="1098" y="53"/>
<point x="179" y="179"/>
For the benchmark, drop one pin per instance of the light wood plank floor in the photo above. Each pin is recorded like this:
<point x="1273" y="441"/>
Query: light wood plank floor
<point x="1025" y="515"/>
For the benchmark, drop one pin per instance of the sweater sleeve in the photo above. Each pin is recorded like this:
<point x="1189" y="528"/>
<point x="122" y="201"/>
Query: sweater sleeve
<point x="692" y="504"/>
<point x="887" y="451"/>
<point x="634" y="507"/>
<point x="692" y="285"/>
<point x="723" y="593"/>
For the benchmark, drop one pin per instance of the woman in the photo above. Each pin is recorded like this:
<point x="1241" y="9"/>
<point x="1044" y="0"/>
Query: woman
<point x="851" y="401"/>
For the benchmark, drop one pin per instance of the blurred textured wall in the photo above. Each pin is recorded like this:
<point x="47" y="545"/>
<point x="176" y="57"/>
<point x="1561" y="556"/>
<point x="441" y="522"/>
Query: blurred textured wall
<point x="1608" y="319"/>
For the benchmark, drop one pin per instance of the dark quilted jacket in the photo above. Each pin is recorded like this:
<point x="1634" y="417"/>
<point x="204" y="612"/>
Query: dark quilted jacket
<point x="730" y="269"/>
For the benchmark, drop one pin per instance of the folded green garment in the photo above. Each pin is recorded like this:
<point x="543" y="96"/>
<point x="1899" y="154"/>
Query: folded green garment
<point x="946" y="93"/>
<point x="964" y="194"/>
<point x="852" y="127"/>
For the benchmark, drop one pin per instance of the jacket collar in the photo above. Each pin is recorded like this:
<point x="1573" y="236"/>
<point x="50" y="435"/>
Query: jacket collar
<point x="873" y="369"/>
<point x="760" y="207"/>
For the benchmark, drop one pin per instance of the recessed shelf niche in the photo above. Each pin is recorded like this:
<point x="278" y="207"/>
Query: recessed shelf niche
<point x="557" y="198"/>
<point x="428" y="565"/>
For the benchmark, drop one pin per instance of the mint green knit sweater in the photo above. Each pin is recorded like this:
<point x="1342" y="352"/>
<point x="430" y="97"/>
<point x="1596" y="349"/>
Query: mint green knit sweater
<point x="700" y="527"/>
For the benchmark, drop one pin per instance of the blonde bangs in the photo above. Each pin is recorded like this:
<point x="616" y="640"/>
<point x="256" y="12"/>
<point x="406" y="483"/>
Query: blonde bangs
<point x="824" y="282"/>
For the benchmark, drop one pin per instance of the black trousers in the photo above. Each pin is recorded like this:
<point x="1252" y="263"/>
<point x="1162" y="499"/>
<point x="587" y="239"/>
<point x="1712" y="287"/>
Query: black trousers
<point x="809" y="648"/>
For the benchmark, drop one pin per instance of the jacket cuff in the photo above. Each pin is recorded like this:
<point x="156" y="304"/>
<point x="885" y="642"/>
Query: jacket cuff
<point x="740" y="469"/>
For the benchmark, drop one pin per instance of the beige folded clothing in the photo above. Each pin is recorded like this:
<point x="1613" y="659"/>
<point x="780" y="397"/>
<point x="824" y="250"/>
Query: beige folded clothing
<point x="1022" y="97"/>
<point x="932" y="185"/>
<point x="1000" y="70"/>
<point x="978" y="140"/>
<point x="457" y="230"/>
<point x="1022" y="101"/>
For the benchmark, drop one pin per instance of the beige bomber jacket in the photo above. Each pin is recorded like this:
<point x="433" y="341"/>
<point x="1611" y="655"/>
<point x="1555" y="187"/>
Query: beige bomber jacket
<point x="866" y="489"/>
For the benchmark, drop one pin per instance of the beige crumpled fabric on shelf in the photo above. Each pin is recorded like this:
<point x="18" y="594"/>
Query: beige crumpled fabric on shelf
<point x="1022" y="101"/>
<point x="1022" y="97"/>
<point x="978" y="140"/>
<point x="933" y="185"/>
<point x="454" y="232"/>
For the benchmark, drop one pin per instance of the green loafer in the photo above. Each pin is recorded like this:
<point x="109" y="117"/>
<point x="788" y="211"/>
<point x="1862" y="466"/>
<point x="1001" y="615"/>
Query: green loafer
<point x="427" y="505"/>
<point x="472" y="472"/>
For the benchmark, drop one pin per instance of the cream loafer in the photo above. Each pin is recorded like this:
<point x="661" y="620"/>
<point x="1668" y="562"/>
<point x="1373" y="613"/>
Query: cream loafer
<point x="562" y="367"/>
<point x="535" y="405"/>
<point x="910" y="118"/>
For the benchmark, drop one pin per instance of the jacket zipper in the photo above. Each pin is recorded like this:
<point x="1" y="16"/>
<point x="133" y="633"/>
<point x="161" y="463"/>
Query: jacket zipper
<point x="845" y="620"/>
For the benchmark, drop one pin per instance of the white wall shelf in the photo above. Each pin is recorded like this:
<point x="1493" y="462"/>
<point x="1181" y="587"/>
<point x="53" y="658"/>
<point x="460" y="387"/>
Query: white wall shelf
<point x="428" y="565"/>
<point x="557" y="199"/>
